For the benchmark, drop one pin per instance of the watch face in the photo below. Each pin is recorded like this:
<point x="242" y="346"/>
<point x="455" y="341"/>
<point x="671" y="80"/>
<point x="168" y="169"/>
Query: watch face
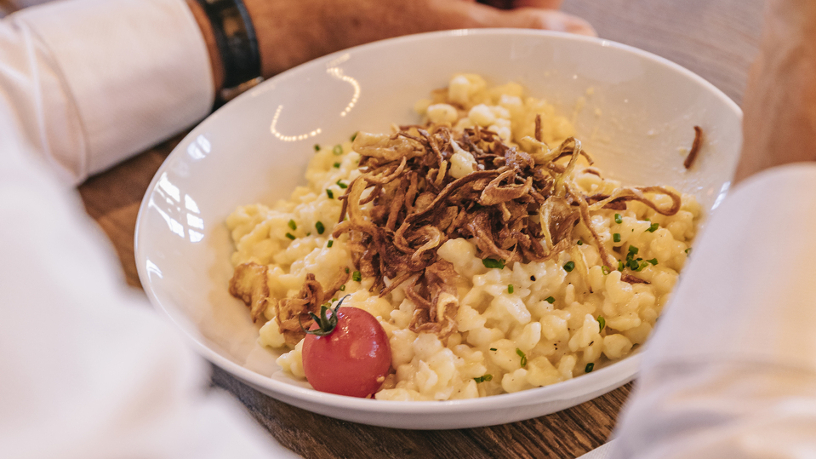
<point x="235" y="37"/>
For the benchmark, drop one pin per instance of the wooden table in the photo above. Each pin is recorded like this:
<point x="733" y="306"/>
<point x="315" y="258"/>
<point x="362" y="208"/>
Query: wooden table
<point x="717" y="39"/>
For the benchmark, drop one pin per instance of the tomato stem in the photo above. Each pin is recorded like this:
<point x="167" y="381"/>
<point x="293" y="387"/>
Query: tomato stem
<point x="325" y="323"/>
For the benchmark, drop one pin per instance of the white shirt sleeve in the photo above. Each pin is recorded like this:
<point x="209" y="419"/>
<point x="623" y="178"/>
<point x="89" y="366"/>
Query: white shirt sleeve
<point x="87" y="369"/>
<point x="95" y="81"/>
<point x="731" y="369"/>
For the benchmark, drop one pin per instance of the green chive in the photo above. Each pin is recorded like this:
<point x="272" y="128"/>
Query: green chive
<point x="602" y="323"/>
<point x="292" y="225"/>
<point x="580" y="242"/>
<point x="620" y="265"/>
<point x="550" y="300"/>
<point x="342" y="185"/>
<point x="337" y="165"/>
<point x="317" y="147"/>
<point x="618" y="219"/>
<point x="633" y="250"/>
<point x="616" y="237"/>
<point x="493" y="263"/>
<point x="653" y="227"/>
<point x="493" y="349"/>
<point x="353" y="136"/>
<point x="343" y="288"/>
<point x="605" y="270"/>
<point x="589" y="367"/>
<point x="653" y="261"/>
<point x="688" y="250"/>
<point x="633" y="265"/>
<point x="330" y="243"/>
<point x="510" y="288"/>
<point x="356" y="276"/>
<point x="347" y="270"/>
<point x="337" y="150"/>
<point x="320" y="228"/>
<point x="484" y="378"/>
<point x="643" y="265"/>
<point x="523" y="357"/>
<point x="329" y="193"/>
<point x="569" y="266"/>
<point x="290" y="236"/>
<point x="308" y="234"/>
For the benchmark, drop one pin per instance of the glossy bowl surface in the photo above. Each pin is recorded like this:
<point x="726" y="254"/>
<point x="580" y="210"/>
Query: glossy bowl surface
<point x="634" y="111"/>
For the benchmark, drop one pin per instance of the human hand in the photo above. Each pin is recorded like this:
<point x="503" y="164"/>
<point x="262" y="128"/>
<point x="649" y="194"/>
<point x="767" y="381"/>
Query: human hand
<point x="292" y="32"/>
<point x="779" y="125"/>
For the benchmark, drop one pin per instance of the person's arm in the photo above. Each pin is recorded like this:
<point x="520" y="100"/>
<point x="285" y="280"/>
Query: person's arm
<point x="780" y="102"/>
<point x="291" y="33"/>
<point x="95" y="81"/>
<point x="731" y="369"/>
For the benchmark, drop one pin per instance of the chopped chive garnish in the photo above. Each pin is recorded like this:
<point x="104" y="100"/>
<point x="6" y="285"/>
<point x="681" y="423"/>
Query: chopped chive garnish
<point x="353" y="136"/>
<point x="483" y="378"/>
<point x="633" y="265"/>
<point x="493" y="349"/>
<point x="510" y="288"/>
<point x="643" y="265"/>
<point x="336" y="165"/>
<point x="493" y="263"/>
<point x="633" y="250"/>
<point x="550" y="300"/>
<point x="605" y="270"/>
<point x="602" y="323"/>
<point x="319" y="227"/>
<point x="337" y="150"/>
<point x="290" y="236"/>
<point x="329" y="193"/>
<point x="356" y="276"/>
<point x="580" y="242"/>
<point x="308" y="234"/>
<point x="523" y="357"/>
<point x="620" y="265"/>
<point x="653" y="227"/>
<point x="342" y="185"/>
<point x="317" y="147"/>
<point x="616" y="237"/>
<point x="688" y="250"/>
<point x="618" y="219"/>
<point x="330" y="243"/>
<point x="569" y="266"/>
<point x="347" y="270"/>
<point x="292" y="225"/>
<point x="343" y="288"/>
<point x="653" y="261"/>
<point x="589" y="367"/>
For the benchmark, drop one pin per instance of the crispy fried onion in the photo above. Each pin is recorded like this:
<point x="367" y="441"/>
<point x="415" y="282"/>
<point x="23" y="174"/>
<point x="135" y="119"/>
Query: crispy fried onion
<point x="249" y="283"/>
<point x="518" y="204"/>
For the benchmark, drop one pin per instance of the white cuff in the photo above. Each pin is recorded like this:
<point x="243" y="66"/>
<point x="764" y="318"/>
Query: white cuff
<point x="138" y="71"/>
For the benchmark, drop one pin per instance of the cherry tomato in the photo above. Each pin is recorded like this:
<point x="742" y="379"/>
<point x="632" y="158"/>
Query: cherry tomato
<point x="352" y="359"/>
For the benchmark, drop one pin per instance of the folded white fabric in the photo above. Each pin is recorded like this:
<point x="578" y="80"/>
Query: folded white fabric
<point x="731" y="369"/>
<point x="107" y="79"/>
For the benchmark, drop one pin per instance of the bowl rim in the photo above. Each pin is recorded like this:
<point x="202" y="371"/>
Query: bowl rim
<point x="621" y="371"/>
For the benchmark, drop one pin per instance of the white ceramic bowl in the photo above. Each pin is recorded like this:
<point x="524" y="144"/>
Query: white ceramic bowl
<point x="638" y="114"/>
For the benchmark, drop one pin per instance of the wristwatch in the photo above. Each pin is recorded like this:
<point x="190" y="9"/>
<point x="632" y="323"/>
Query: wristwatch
<point x="236" y="41"/>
